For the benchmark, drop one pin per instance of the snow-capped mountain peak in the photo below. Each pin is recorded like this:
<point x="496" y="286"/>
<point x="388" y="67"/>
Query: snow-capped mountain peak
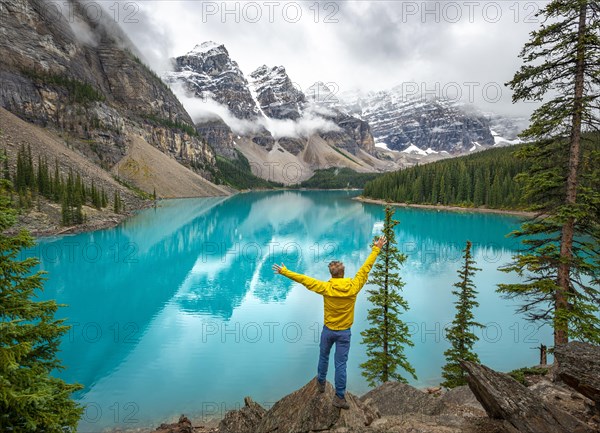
<point x="205" y="47"/>
<point x="207" y="71"/>
<point x="275" y="93"/>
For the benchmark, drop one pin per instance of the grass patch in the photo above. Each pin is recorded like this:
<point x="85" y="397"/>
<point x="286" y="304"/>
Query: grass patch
<point x="343" y="154"/>
<point x="519" y="374"/>
<point x="78" y="91"/>
<point x="172" y="124"/>
<point x="140" y="193"/>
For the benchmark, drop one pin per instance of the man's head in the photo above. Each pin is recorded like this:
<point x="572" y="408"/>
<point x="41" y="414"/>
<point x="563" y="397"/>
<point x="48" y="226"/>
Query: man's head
<point x="337" y="269"/>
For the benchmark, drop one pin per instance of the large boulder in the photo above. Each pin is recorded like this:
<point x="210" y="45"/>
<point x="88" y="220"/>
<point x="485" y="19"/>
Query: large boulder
<point x="396" y="398"/>
<point x="565" y="398"/>
<point x="461" y="396"/>
<point x="579" y="367"/>
<point x="445" y="423"/>
<point x="307" y="410"/>
<point x="504" y="398"/>
<point x="184" y="425"/>
<point x="245" y="420"/>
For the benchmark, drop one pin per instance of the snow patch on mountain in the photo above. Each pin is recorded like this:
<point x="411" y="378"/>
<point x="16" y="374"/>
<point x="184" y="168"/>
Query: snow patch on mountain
<point x="384" y="146"/>
<point x="412" y="149"/>
<point x="275" y="93"/>
<point x="499" y="140"/>
<point x="425" y="122"/>
<point x="203" y="48"/>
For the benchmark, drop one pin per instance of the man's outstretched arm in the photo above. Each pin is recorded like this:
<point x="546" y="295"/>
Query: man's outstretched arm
<point x="361" y="276"/>
<point x="311" y="284"/>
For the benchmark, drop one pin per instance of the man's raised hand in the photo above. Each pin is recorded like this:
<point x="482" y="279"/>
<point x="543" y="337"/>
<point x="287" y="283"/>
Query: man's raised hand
<point x="381" y="241"/>
<point x="277" y="269"/>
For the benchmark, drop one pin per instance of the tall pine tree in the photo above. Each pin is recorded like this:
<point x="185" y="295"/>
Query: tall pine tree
<point x="117" y="204"/>
<point x="5" y="168"/>
<point x="460" y="334"/>
<point x="559" y="258"/>
<point x="31" y="399"/>
<point x="388" y="335"/>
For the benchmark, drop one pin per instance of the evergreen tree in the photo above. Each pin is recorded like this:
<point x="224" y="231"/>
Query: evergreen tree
<point x="117" y="202"/>
<point x="40" y="176"/>
<point x="65" y="211"/>
<point x="559" y="256"/>
<point x="6" y="170"/>
<point x="388" y="335"/>
<point x="96" y="196"/>
<point x="29" y="174"/>
<point x="20" y="173"/>
<point x="72" y="201"/>
<point x="79" y="189"/>
<point x="31" y="399"/>
<point x="104" y="198"/>
<point x="460" y="334"/>
<point x="57" y="185"/>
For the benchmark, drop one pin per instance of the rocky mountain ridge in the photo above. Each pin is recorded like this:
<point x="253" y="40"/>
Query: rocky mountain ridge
<point x="264" y="112"/>
<point x="268" y="119"/>
<point x="83" y="77"/>
<point x="277" y="96"/>
<point x="80" y="75"/>
<point x="428" y="124"/>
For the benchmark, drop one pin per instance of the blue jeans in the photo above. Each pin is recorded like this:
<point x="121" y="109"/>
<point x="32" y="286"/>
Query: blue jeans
<point x="342" y="347"/>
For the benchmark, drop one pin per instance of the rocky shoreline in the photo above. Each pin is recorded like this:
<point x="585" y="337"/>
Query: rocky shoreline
<point x="45" y="224"/>
<point x="448" y="208"/>
<point x="565" y="400"/>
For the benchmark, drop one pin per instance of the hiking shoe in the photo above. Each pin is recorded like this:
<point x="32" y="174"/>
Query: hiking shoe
<point x="340" y="402"/>
<point x="320" y="386"/>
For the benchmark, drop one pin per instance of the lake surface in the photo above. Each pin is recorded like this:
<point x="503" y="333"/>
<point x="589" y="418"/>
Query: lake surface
<point x="177" y="310"/>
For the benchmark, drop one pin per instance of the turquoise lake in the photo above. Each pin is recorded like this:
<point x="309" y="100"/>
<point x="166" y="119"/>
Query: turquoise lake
<point x="177" y="310"/>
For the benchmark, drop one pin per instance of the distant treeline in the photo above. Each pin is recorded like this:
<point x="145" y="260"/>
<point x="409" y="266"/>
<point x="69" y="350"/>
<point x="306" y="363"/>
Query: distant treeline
<point x="485" y="178"/>
<point x="29" y="183"/>
<point x="333" y="177"/>
<point x="237" y="173"/>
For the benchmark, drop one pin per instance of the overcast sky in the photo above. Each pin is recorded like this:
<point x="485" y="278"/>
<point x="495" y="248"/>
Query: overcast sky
<point x="438" y="47"/>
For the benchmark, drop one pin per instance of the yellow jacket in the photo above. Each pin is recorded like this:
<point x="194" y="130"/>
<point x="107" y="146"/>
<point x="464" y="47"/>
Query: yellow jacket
<point x="339" y="294"/>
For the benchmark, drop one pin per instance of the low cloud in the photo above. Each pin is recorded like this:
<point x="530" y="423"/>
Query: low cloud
<point x="205" y="109"/>
<point x="82" y="32"/>
<point x="310" y="123"/>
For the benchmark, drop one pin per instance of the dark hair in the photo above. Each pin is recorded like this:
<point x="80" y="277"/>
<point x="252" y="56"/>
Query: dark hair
<point x="336" y="268"/>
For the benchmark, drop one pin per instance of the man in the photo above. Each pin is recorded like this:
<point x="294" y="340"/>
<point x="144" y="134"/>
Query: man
<point x="339" y="296"/>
